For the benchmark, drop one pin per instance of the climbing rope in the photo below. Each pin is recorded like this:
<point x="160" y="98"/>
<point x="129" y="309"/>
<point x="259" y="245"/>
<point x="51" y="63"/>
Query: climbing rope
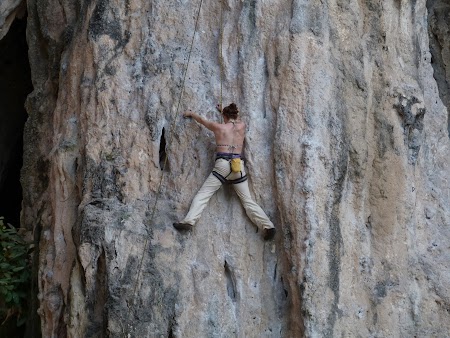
<point x="221" y="55"/>
<point x="186" y="66"/>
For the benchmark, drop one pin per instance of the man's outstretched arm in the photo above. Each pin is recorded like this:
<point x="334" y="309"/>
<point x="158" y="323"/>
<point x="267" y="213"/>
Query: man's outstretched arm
<point x="208" y="124"/>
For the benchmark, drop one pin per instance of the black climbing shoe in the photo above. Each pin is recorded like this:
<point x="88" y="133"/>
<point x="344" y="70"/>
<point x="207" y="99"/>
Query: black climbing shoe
<point x="269" y="234"/>
<point x="182" y="226"/>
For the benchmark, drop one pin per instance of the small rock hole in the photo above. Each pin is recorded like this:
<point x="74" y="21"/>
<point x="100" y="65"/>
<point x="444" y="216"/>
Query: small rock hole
<point x="231" y="285"/>
<point x="163" y="161"/>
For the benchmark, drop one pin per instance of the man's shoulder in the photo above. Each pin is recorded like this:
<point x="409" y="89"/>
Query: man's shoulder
<point x="241" y="124"/>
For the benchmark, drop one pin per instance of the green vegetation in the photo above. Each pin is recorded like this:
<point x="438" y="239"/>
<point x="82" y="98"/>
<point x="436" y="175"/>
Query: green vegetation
<point x="15" y="274"/>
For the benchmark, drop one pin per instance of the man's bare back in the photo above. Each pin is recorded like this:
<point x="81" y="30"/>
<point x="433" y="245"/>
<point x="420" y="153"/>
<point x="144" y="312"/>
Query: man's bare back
<point x="229" y="135"/>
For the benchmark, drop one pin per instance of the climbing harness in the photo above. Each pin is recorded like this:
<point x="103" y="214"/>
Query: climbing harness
<point x="231" y="158"/>
<point x="227" y="156"/>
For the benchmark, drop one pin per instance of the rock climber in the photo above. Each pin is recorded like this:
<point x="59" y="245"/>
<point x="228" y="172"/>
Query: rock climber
<point x="228" y="169"/>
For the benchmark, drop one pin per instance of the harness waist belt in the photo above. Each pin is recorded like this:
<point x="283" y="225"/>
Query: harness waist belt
<point x="228" y="156"/>
<point x="225" y="181"/>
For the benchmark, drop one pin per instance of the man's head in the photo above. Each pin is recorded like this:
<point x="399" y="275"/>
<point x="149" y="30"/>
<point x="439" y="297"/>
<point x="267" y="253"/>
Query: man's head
<point x="231" y="111"/>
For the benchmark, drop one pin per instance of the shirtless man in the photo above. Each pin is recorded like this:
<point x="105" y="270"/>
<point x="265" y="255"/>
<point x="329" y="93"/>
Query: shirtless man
<point x="230" y="140"/>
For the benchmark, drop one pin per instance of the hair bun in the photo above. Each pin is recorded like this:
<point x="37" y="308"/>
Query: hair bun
<point x="231" y="110"/>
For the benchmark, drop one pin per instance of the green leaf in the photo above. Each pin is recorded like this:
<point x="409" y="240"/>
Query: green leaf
<point x="15" y="298"/>
<point x="15" y="272"/>
<point x="15" y="254"/>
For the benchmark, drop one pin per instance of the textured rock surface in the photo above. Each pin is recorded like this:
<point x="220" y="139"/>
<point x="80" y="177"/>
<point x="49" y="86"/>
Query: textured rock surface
<point x="347" y="148"/>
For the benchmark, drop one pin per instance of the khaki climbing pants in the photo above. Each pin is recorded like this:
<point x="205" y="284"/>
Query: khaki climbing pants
<point x="212" y="184"/>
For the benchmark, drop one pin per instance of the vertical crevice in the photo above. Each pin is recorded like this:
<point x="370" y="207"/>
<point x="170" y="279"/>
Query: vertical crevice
<point x="286" y="293"/>
<point x="97" y="296"/>
<point x="163" y="160"/>
<point x="438" y="27"/>
<point x="172" y="323"/>
<point x="231" y="283"/>
<point x="275" y="272"/>
<point x="170" y="334"/>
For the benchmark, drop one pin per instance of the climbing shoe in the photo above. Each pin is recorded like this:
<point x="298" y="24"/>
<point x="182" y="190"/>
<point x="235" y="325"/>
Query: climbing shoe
<point x="269" y="234"/>
<point x="182" y="226"/>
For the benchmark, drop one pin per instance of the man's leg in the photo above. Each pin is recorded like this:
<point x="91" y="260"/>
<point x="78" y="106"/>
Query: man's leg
<point x="253" y="210"/>
<point x="211" y="185"/>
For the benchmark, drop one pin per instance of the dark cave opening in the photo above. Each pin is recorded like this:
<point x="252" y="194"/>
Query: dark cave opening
<point x="15" y="85"/>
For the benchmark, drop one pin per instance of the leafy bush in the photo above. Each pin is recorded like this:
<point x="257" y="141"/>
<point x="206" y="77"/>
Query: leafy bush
<point x="15" y="274"/>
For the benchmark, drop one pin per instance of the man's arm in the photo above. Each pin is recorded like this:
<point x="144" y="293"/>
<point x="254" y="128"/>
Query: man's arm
<point x="213" y="126"/>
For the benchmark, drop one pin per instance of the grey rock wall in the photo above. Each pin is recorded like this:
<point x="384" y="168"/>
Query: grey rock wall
<point x="347" y="149"/>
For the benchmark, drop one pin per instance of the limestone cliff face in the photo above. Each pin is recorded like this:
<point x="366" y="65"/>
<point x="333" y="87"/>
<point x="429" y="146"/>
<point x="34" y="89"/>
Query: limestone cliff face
<point x="347" y="148"/>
